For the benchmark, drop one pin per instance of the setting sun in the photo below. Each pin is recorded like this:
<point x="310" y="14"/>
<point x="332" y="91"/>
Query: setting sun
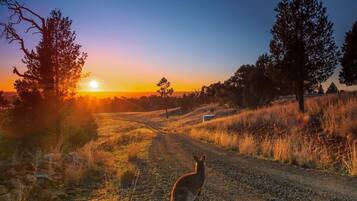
<point x="94" y="84"/>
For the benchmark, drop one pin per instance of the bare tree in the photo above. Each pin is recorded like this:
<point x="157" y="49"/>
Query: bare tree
<point x="165" y="91"/>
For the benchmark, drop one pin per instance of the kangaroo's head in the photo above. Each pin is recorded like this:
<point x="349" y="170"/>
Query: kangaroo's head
<point x="200" y="164"/>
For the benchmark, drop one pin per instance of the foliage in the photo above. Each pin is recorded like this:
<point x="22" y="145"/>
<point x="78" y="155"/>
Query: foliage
<point x="188" y="101"/>
<point x="303" y="48"/>
<point x="53" y="69"/>
<point x="165" y="91"/>
<point x="348" y="74"/>
<point x="3" y="101"/>
<point x="250" y="86"/>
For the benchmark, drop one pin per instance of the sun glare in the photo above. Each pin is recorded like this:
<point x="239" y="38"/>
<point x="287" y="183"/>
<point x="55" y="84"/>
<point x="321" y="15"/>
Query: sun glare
<point x="94" y="84"/>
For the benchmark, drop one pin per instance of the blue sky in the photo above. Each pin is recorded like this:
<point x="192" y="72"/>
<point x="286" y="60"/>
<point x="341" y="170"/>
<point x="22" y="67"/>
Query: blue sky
<point x="193" y="43"/>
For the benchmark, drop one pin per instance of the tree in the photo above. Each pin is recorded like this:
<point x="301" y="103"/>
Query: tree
<point x="348" y="74"/>
<point x="320" y="90"/>
<point x="3" y="101"/>
<point x="260" y="83"/>
<point x="165" y="91"/>
<point x="53" y="68"/>
<point x="303" y="48"/>
<point x="332" y="89"/>
<point x="251" y="84"/>
<point x="188" y="101"/>
<point x="56" y="64"/>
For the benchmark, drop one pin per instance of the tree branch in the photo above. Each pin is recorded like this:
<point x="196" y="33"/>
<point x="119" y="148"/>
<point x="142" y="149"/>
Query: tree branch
<point x="15" y="71"/>
<point x="11" y="35"/>
<point x="18" y="9"/>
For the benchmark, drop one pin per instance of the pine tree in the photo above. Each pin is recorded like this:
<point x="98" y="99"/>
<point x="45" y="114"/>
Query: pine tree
<point x="303" y="48"/>
<point x="348" y="74"/>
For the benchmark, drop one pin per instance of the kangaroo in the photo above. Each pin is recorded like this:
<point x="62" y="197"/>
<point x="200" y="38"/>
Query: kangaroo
<point x="188" y="187"/>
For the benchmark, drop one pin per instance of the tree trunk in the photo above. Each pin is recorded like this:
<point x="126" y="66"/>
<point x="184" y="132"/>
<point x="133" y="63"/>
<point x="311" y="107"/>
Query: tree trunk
<point x="167" y="114"/>
<point x="300" y="95"/>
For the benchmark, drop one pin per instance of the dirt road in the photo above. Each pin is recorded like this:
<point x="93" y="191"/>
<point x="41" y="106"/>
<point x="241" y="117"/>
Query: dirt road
<point x="233" y="177"/>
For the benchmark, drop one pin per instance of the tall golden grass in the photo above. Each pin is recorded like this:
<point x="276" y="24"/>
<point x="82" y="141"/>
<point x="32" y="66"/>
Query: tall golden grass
<point x="325" y="136"/>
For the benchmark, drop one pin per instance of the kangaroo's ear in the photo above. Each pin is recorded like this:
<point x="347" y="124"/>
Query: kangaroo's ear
<point x="203" y="158"/>
<point x="195" y="158"/>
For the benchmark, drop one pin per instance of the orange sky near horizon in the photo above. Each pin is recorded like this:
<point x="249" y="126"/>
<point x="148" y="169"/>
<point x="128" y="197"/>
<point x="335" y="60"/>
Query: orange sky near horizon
<point x="123" y="74"/>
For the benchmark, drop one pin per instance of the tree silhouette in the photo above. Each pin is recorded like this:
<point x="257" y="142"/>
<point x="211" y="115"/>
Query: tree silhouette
<point x="3" y="101"/>
<point x="261" y="84"/>
<point x="303" y="48"/>
<point x="165" y="91"/>
<point x="251" y="85"/>
<point x="54" y="66"/>
<point x="348" y="75"/>
<point x="332" y="89"/>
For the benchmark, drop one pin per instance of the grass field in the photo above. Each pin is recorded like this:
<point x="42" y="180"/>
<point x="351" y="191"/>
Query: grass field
<point x="324" y="137"/>
<point x="110" y="161"/>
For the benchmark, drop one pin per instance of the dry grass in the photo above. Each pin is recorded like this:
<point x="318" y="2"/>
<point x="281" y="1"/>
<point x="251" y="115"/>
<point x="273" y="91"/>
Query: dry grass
<point x="133" y="153"/>
<point x="127" y="177"/>
<point x="128" y="142"/>
<point x="91" y="161"/>
<point x="73" y="174"/>
<point x="247" y="145"/>
<point x="318" y="138"/>
<point x="351" y="160"/>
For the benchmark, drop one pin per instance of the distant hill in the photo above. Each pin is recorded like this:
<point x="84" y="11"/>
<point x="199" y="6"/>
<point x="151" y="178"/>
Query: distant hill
<point x="105" y="94"/>
<point x="109" y="94"/>
<point x="9" y="95"/>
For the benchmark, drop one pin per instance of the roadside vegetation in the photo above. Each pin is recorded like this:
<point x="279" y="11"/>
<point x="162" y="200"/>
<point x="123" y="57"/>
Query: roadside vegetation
<point x="323" y="137"/>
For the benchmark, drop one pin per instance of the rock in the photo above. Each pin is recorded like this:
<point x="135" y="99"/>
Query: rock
<point x="59" y="196"/>
<point x="44" y="180"/>
<point x="57" y="177"/>
<point x="30" y="167"/>
<point x="3" y="190"/>
<point x="74" y="158"/>
<point x="30" y="179"/>
<point x="5" y="197"/>
<point x="40" y="175"/>
<point x="48" y="156"/>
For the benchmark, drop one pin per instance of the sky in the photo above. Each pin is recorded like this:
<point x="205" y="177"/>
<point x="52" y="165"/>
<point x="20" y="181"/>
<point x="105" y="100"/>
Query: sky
<point x="131" y="44"/>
